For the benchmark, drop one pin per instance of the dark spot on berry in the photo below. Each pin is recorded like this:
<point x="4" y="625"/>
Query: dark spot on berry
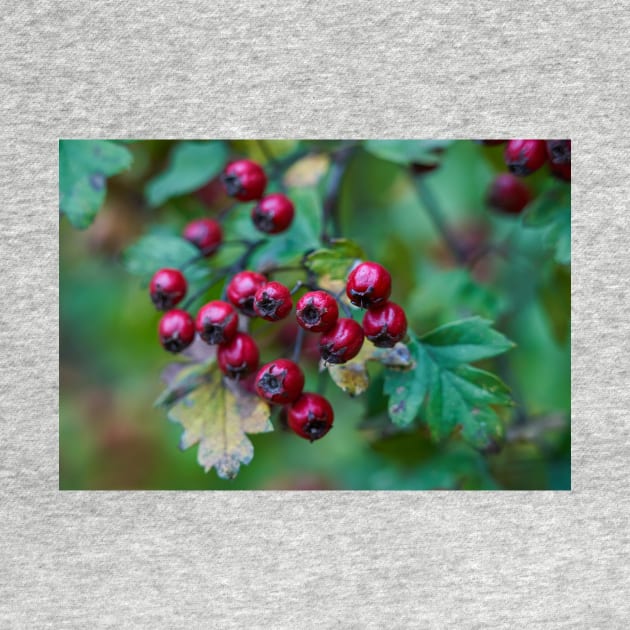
<point x="316" y="428"/>
<point x="263" y="220"/>
<point x="97" y="181"/>
<point x="330" y="354"/>
<point x="268" y="306"/>
<point x="311" y="315"/>
<point x="214" y="332"/>
<point x="232" y="184"/>
<point x="363" y="298"/>
<point x="271" y="383"/>
<point x="247" y="306"/>
<point x="383" y="339"/>
<point x="174" y="344"/>
<point x="236" y="371"/>
<point x="161" y="300"/>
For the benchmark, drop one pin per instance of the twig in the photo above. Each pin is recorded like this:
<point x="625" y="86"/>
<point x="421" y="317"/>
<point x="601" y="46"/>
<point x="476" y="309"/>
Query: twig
<point x="333" y="187"/>
<point x="299" y="342"/>
<point x="435" y="213"/>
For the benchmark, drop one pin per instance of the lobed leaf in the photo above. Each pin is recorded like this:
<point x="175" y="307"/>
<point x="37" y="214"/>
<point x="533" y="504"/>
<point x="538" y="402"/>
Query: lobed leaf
<point x="425" y="152"/>
<point x="84" y="166"/>
<point x="335" y="261"/>
<point x="158" y="250"/>
<point x="216" y="414"/>
<point x="191" y="165"/>
<point x="453" y="394"/>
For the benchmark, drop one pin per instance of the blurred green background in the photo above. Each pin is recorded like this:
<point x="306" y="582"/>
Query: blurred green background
<point x="111" y="436"/>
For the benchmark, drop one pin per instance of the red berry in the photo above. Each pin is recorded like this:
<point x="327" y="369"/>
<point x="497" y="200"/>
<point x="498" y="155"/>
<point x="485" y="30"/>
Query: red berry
<point x="273" y="213"/>
<point x="369" y="284"/>
<point x="508" y="194"/>
<point x="239" y="357"/>
<point x="317" y="311"/>
<point x="342" y="342"/>
<point x="244" y="180"/>
<point x="561" y="171"/>
<point x="206" y="234"/>
<point x="280" y="382"/>
<point x="176" y="330"/>
<point x="242" y="289"/>
<point x="273" y="301"/>
<point x="217" y="322"/>
<point x="167" y="288"/>
<point x="559" y="151"/>
<point x="523" y="157"/>
<point x="385" y="325"/>
<point x="311" y="416"/>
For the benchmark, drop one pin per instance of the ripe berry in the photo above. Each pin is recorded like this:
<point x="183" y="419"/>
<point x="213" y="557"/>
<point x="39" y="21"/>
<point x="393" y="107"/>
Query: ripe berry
<point x="369" y="284"/>
<point x="217" y="322"/>
<point x="523" y="157"/>
<point x="273" y="213"/>
<point x="561" y="171"/>
<point x="242" y="289"/>
<point x="167" y="288"/>
<point x="206" y="234"/>
<point x="559" y="151"/>
<point x="317" y="311"/>
<point x="176" y="330"/>
<point x="385" y="325"/>
<point x="311" y="416"/>
<point x="342" y="342"/>
<point x="508" y="194"/>
<point x="244" y="180"/>
<point x="239" y="357"/>
<point x="280" y="382"/>
<point x="273" y="301"/>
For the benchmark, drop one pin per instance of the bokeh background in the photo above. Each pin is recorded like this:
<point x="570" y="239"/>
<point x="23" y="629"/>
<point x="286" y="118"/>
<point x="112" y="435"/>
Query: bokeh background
<point x="112" y="437"/>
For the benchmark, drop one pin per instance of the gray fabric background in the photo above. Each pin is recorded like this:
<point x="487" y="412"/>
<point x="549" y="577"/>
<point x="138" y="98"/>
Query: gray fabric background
<point x="313" y="560"/>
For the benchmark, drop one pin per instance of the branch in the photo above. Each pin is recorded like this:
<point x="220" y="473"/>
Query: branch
<point x="435" y="213"/>
<point x="331" y="200"/>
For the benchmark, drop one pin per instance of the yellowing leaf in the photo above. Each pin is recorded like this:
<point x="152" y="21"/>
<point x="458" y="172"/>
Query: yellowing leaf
<point x="216" y="414"/>
<point x="307" y="171"/>
<point x="352" y="377"/>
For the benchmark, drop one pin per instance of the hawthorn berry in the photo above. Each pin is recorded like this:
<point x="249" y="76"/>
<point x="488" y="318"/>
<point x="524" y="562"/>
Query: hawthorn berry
<point x="369" y="284"/>
<point x="205" y="234"/>
<point x="238" y="357"/>
<point x="167" y="288"/>
<point x="217" y="322"/>
<point x="280" y="382"/>
<point x="242" y="289"/>
<point x="508" y="194"/>
<point x="343" y="342"/>
<point x="176" y="330"/>
<point x="385" y="325"/>
<point x="273" y="301"/>
<point x="523" y="157"/>
<point x="559" y="151"/>
<point x="273" y="214"/>
<point x="244" y="179"/>
<point x="317" y="311"/>
<point x="310" y="416"/>
<point x="561" y="171"/>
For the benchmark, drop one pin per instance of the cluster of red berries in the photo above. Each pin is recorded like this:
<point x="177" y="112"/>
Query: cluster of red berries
<point x="251" y="294"/>
<point x="508" y="193"/>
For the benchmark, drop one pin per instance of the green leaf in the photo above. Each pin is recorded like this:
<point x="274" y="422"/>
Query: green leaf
<point x="336" y="260"/>
<point x="465" y="341"/>
<point x="352" y="376"/>
<point x="191" y="165"/>
<point x="216" y="414"/>
<point x="452" y="393"/>
<point x="551" y="211"/>
<point x="84" y="166"/>
<point x="425" y="152"/>
<point x="158" y="250"/>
